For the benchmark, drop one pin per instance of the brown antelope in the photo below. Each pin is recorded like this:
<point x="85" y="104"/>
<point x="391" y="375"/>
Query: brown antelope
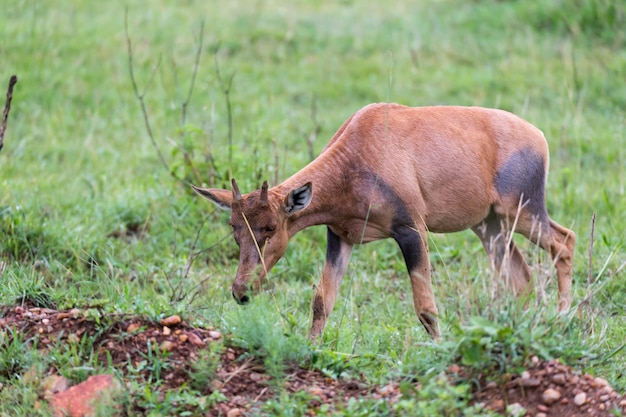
<point x="399" y="172"/>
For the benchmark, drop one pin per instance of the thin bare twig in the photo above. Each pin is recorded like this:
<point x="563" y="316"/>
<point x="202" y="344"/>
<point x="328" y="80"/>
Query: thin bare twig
<point x="7" y="108"/>
<point x="226" y="87"/>
<point x="589" y="262"/>
<point x="194" y="74"/>
<point x="140" y="97"/>
<point x="185" y="103"/>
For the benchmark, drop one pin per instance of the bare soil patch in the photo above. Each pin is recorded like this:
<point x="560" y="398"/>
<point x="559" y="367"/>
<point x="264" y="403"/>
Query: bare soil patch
<point x="546" y="388"/>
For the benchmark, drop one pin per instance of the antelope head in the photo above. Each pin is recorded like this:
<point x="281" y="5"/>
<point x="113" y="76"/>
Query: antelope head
<point x="260" y="223"/>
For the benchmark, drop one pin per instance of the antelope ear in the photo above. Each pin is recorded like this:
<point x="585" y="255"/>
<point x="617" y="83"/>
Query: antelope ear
<point x="221" y="198"/>
<point x="299" y="198"/>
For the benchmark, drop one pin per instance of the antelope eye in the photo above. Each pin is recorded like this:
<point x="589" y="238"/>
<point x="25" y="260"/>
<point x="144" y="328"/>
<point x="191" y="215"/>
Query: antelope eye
<point x="269" y="229"/>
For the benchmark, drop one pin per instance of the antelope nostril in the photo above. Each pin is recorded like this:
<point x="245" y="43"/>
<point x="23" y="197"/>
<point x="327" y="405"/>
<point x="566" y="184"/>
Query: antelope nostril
<point x="243" y="300"/>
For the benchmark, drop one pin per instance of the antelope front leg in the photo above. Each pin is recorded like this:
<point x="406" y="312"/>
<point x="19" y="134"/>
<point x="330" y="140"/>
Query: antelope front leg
<point x="415" y="252"/>
<point x="338" y="254"/>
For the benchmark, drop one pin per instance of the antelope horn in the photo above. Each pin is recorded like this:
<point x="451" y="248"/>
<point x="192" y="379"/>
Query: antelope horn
<point x="264" y="192"/>
<point x="236" y="193"/>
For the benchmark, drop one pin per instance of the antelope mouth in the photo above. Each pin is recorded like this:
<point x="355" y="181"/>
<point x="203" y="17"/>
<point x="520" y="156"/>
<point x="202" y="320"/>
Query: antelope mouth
<point x="241" y="300"/>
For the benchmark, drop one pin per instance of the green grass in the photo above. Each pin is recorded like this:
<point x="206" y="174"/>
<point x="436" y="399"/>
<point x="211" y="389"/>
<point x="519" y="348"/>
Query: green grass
<point x="90" y="217"/>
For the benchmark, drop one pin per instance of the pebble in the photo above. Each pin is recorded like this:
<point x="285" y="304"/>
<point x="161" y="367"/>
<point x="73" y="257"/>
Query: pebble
<point x="515" y="410"/>
<point x="530" y="382"/>
<point x="234" y="412"/>
<point x="491" y="385"/>
<point x="601" y="382"/>
<point x="216" y="385"/>
<point x="195" y="340"/>
<point x="543" y="408"/>
<point x="559" y="379"/>
<point x="183" y="338"/>
<point x="541" y="415"/>
<point x="171" y="320"/>
<point x="133" y="327"/>
<point x="580" y="399"/>
<point x="316" y="391"/>
<point x="550" y="396"/>
<point x="167" y="346"/>
<point x="167" y="331"/>
<point x="63" y="315"/>
<point x="214" y="334"/>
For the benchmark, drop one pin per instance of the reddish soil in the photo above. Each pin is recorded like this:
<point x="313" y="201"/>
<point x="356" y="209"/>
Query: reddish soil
<point x="546" y="388"/>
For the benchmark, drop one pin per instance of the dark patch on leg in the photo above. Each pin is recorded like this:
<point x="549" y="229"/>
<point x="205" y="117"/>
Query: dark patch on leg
<point x="430" y="323"/>
<point x="410" y="244"/>
<point x="318" y="307"/>
<point x="333" y="247"/>
<point x="524" y="173"/>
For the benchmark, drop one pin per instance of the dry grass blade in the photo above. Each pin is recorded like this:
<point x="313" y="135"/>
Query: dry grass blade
<point x="7" y="108"/>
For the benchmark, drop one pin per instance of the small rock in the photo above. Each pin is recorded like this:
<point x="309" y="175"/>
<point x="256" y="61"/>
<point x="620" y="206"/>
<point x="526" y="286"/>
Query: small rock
<point x="63" y="315"/>
<point x="166" y="331"/>
<point x="515" y="410"/>
<point x="601" y="407"/>
<point x="45" y="322"/>
<point x="316" y="391"/>
<point x="574" y="379"/>
<point x="491" y="385"/>
<point x="234" y="412"/>
<point x="550" y="396"/>
<point x="195" y="340"/>
<point x="167" y="346"/>
<point x="496" y="405"/>
<point x="534" y="360"/>
<point x="622" y="403"/>
<point x="530" y="382"/>
<point x="580" y="399"/>
<point x="133" y="327"/>
<point x="525" y="375"/>
<point x="214" y="334"/>
<point x="604" y="397"/>
<point x="78" y="401"/>
<point x="454" y="368"/>
<point x="74" y="313"/>
<point x="386" y="390"/>
<point x="601" y="382"/>
<point x="216" y="385"/>
<point x="255" y="377"/>
<point x="183" y="338"/>
<point x="542" y="408"/>
<point x="171" y="320"/>
<point x="559" y="379"/>
<point x="541" y="415"/>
